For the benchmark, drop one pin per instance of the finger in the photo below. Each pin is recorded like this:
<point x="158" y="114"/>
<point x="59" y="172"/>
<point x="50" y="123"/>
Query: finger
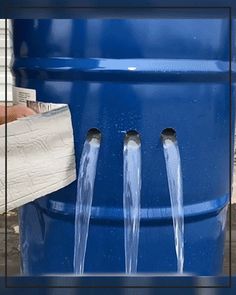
<point x="28" y="112"/>
<point x="21" y="110"/>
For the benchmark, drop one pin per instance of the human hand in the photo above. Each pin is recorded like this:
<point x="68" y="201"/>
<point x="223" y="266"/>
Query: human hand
<point x="15" y="112"/>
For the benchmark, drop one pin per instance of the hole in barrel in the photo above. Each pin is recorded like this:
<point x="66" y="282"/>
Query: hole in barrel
<point x="94" y="134"/>
<point x="168" y="133"/>
<point x="132" y="137"/>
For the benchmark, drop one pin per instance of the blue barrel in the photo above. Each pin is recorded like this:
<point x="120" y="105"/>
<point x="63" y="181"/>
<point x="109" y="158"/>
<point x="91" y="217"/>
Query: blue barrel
<point x="133" y="73"/>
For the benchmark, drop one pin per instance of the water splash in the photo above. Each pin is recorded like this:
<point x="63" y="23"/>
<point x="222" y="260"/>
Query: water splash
<point x="174" y="175"/>
<point x="131" y="199"/>
<point x="85" y="184"/>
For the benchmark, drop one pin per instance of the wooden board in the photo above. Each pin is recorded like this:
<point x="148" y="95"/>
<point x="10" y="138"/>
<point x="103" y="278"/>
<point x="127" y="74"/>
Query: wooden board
<point x="40" y="157"/>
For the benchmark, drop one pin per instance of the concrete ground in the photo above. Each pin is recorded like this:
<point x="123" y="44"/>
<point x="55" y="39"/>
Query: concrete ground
<point x="233" y="201"/>
<point x="233" y="243"/>
<point x="12" y="244"/>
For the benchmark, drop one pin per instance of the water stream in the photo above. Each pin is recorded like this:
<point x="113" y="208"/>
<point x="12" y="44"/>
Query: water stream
<point x="85" y="185"/>
<point x="174" y="175"/>
<point x="131" y="199"/>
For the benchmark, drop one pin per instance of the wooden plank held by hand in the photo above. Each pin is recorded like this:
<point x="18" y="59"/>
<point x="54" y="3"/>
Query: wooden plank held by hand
<point x="40" y="157"/>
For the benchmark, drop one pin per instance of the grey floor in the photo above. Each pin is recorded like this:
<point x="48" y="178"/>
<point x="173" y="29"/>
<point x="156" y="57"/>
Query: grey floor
<point x="14" y="254"/>
<point x="233" y="243"/>
<point x="13" y="262"/>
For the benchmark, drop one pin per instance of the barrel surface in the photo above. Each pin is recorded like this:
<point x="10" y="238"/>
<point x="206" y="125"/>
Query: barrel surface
<point x="144" y="74"/>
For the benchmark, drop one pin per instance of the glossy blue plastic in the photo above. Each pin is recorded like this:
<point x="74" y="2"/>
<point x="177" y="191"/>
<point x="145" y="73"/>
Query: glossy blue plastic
<point x="133" y="73"/>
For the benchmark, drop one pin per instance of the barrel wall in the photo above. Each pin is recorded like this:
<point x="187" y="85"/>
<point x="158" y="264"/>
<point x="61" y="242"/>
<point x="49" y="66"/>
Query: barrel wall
<point x="132" y="73"/>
